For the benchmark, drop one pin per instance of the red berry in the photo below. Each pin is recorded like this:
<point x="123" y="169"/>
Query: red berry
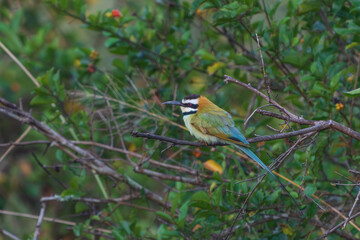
<point x="91" y="68"/>
<point x="116" y="13"/>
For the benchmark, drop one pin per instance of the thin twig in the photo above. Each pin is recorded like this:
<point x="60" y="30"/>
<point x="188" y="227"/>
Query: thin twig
<point x="86" y="158"/>
<point x="306" y="167"/>
<point x="40" y="219"/>
<point x="48" y="172"/>
<point x="9" y="234"/>
<point x="352" y="209"/>
<point x="48" y="219"/>
<point x="268" y="90"/>
<point x="272" y="101"/>
<point x="329" y="123"/>
<point x="17" y="141"/>
<point x="280" y="66"/>
<point x="151" y="173"/>
<point x="337" y="226"/>
<point x="242" y="207"/>
<point x="175" y="141"/>
<point x="16" y="60"/>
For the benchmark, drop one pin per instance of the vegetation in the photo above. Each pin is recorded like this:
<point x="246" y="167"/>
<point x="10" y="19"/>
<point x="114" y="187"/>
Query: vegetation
<point x="88" y="151"/>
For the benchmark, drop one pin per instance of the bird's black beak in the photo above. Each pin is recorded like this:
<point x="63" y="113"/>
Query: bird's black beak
<point x="173" y="103"/>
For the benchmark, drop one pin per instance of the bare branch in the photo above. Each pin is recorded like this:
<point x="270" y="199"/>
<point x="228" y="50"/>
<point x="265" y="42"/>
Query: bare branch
<point x="87" y="158"/>
<point x="174" y="140"/>
<point x="48" y="219"/>
<point x="268" y="90"/>
<point x="151" y="173"/>
<point x="17" y="141"/>
<point x="40" y="219"/>
<point x="9" y="234"/>
<point x="338" y="226"/>
<point x="325" y="124"/>
<point x="352" y="209"/>
<point x="316" y="128"/>
<point x="248" y="86"/>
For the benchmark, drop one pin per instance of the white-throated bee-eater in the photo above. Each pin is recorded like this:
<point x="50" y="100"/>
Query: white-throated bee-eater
<point x="211" y="124"/>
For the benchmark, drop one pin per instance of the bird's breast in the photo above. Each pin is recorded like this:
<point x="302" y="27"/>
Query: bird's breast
<point x="196" y="133"/>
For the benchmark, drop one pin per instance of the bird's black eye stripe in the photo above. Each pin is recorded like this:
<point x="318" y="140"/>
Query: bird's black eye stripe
<point x="190" y="105"/>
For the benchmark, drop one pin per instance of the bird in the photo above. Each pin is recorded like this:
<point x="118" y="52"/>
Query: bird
<point x="211" y="124"/>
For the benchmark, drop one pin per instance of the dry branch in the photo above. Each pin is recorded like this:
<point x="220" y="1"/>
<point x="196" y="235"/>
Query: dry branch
<point x="292" y="117"/>
<point x="86" y="158"/>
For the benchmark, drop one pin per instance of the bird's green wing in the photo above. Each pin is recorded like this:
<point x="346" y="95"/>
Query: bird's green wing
<point x="218" y="124"/>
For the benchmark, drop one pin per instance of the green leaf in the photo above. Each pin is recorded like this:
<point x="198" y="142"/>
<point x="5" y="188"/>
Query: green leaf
<point x="64" y="4"/>
<point x="353" y="93"/>
<point x="232" y="6"/>
<point x="38" y="100"/>
<point x="205" y="55"/>
<point x="295" y="58"/>
<point x="78" y="229"/>
<point x="195" y="5"/>
<point x="164" y="216"/>
<point x="335" y="81"/>
<point x="80" y="207"/>
<point x="182" y="214"/>
<point x="352" y="45"/>
<point x="311" y="210"/>
<point x="310" y="189"/>
<point x="274" y="196"/>
<point x="201" y="196"/>
<point x="217" y="196"/>
<point x="352" y="28"/>
<point x="309" y="6"/>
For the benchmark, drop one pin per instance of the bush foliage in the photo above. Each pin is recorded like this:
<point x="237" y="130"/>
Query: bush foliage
<point x="104" y="73"/>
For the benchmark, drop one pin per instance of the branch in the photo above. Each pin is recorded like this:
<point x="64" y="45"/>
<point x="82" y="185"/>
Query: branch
<point x="83" y="156"/>
<point x="268" y="90"/>
<point x="248" y="86"/>
<point x="8" y="234"/>
<point x="292" y="117"/>
<point x="338" y="226"/>
<point x="38" y="224"/>
<point x="194" y="181"/>
<point x="174" y="140"/>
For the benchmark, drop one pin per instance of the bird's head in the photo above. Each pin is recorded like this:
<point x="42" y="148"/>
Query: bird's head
<point x="189" y="105"/>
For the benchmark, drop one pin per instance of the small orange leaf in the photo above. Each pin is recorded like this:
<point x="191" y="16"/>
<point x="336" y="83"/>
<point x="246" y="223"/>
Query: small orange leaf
<point x="196" y="152"/>
<point x="94" y="54"/>
<point x="132" y="147"/>
<point x="212" y="166"/>
<point x="71" y="106"/>
<point x="196" y="209"/>
<point x="212" y="186"/>
<point x="25" y="168"/>
<point x="260" y="144"/>
<point x="108" y="14"/>
<point x="287" y="230"/>
<point x="197" y="226"/>
<point x="216" y="66"/>
<point x="252" y="213"/>
<point x="351" y="78"/>
<point x="77" y="63"/>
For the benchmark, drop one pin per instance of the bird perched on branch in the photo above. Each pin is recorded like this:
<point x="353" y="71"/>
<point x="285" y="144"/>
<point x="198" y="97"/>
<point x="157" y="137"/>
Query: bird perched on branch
<point x="211" y="124"/>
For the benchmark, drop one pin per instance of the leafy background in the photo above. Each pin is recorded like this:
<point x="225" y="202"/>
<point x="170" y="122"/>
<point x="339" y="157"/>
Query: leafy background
<point x="102" y="76"/>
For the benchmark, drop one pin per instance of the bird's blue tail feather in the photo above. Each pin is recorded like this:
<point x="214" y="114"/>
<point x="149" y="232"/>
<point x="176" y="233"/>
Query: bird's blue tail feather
<point x="252" y="155"/>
